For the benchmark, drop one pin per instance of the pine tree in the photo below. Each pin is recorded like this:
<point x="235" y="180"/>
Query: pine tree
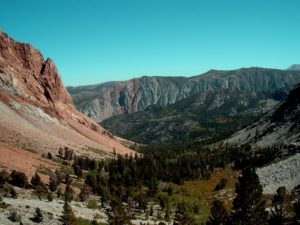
<point x="69" y="193"/>
<point x="168" y="212"/>
<point x="18" y="179"/>
<point x="297" y="212"/>
<point x="84" y="193"/>
<point x="53" y="182"/>
<point x="117" y="214"/>
<point x="4" y="175"/>
<point x="280" y="204"/>
<point x="68" y="217"/>
<point x="248" y="206"/>
<point x="219" y="215"/>
<point x="36" y="180"/>
<point x="182" y="216"/>
<point x="50" y="197"/>
<point x="41" y="190"/>
<point x="13" y="192"/>
<point x="78" y="171"/>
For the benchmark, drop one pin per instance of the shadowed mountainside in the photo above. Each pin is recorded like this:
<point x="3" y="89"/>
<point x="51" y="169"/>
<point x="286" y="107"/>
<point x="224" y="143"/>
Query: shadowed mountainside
<point x="280" y="126"/>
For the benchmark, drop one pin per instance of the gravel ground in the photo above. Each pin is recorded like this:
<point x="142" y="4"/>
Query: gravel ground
<point x="52" y="211"/>
<point x="284" y="173"/>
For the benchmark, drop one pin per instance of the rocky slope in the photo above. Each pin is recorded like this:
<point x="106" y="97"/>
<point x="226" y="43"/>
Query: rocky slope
<point x="280" y="126"/>
<point x="36" y="111"/>
<point x="102" y="101"/>
<point x="283" y="173"/>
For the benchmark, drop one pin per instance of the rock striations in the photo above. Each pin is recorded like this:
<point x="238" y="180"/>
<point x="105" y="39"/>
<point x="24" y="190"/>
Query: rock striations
<point x="102" y="101"/>
<point x="36" y="111"/>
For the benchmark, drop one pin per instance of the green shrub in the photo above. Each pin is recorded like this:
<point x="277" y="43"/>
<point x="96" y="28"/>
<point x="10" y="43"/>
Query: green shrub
<point x="92" y="204"/>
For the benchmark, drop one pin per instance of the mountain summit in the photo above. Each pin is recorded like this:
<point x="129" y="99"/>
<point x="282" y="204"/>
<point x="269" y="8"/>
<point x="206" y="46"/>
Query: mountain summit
<point x="294" y="67"/>
<point x="37" y="112"/>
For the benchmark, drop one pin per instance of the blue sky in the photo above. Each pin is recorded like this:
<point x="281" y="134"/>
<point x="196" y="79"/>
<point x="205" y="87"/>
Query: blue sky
<point x="93" y="41"/>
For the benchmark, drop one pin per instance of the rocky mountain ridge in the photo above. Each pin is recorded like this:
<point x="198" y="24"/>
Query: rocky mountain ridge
<point x="36" y="111"/>
<point x="294" y="67"/>
<point x="102" y="101"/>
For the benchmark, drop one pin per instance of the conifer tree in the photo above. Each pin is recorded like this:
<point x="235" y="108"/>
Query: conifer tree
<point x="280" y="204"/>
<point x="36" y="180"/>
<point x="297" y="213"/>
<point x="53" y="182"/>
<point x="68" y="217"/>
<point x="4" y="175"/>
<point x="84" y="193"/>
<point x="117" y="214"/>
<point x="69" y="193"/>
<point x="248" y="206"/>
<point x="182" y="216"/>
<point x="219" y="215"/>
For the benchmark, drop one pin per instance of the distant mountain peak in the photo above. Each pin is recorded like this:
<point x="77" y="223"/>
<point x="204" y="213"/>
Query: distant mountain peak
<point x="294" y="67"/>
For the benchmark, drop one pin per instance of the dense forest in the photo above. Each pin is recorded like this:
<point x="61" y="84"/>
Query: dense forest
<point x="144" y="183"/>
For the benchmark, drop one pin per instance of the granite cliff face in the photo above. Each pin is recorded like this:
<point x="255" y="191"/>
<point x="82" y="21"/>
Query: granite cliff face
<point x="102" y="101"/>
<point x="37" y="112"/>
<point x="208" y="116"/>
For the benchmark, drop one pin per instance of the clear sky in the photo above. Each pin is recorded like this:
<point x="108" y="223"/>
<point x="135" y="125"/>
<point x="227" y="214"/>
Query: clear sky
<point x="93" y="41"/>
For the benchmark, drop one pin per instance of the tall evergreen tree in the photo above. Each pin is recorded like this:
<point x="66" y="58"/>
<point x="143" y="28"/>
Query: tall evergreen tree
<point x="117" y="214"/>
<point x="84" y="193"/>
<point x="68" y="217"/>
<point x="297" y="213"/>
<point x="280" y="203"/>
<point x="182" y="216"/>
<point x="219" y="215"/>
<point x="53" y="182"/>
<point x="69" y="193"/>
<point x="248" y="206"/>
<point x="36" y="180"/>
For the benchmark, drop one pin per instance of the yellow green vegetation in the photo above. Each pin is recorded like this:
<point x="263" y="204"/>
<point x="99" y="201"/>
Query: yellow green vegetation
<point x="29" y="149"/>
<point x="44" y="170"/>
<point x="97" y="151"/>
<point x="199" y="194"/>
<point x="81" y="221"/>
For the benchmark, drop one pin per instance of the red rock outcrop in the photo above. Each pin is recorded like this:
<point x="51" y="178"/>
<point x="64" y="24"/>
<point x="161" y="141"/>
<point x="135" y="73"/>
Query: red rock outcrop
<point x="36" y="106"/>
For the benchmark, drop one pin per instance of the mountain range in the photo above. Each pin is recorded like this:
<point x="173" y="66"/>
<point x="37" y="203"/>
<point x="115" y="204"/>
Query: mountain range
<point x="102" y="101"/>
<point x="161" y="109"/>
